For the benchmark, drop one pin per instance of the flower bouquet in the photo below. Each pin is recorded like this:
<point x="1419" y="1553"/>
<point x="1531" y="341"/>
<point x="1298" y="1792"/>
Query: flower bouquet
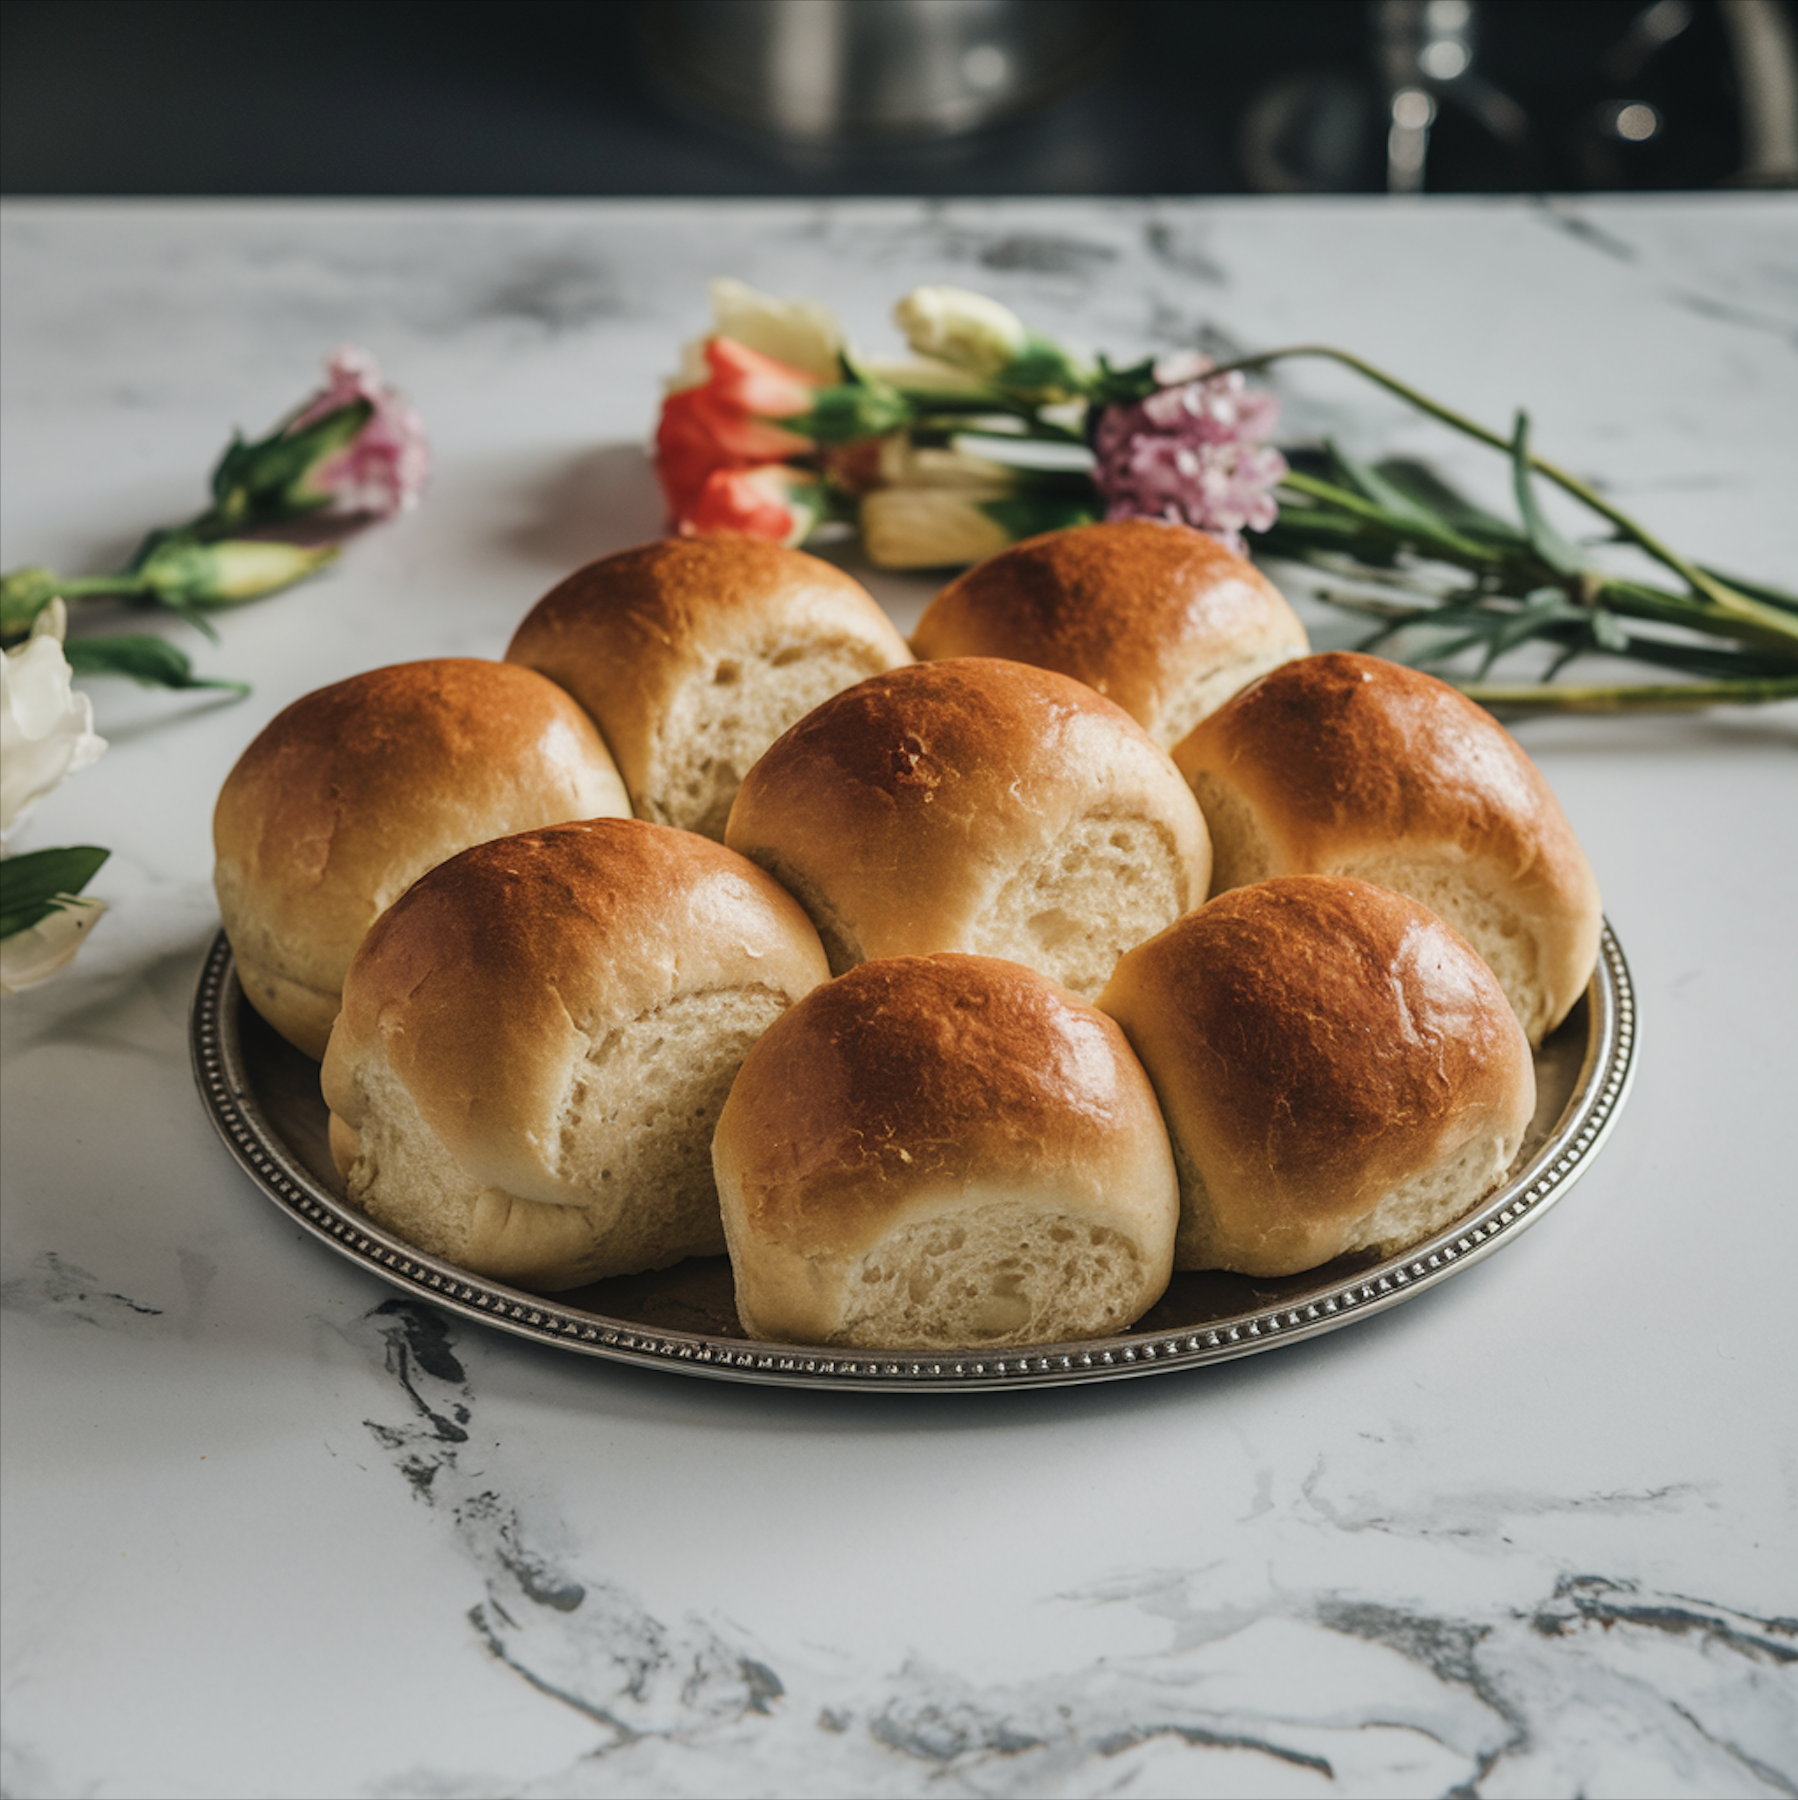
<point x="777" y="427"/>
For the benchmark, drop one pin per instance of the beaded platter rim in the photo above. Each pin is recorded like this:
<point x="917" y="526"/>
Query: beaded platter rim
<point x="223" y="1077"/>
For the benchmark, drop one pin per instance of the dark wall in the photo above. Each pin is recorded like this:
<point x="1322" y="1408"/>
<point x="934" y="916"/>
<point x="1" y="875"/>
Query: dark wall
<point x="533" y="97"/>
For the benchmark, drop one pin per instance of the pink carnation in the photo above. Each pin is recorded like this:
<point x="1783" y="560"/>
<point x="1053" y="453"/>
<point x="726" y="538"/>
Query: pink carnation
<point x="1194" y="452"/>
<point x="382" y="469"/>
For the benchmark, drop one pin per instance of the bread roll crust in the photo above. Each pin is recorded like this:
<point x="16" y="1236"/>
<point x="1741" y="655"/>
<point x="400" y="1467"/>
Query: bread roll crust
<point x="915" y="1090"/>
<point x="1158" y="617"/>
<point x="353" y="791"/>
<point x="904" y="812"/>
<point x="493" y="1007"/>
<point x="1349" y="764"/>
<point x="655" y="641"/>
<point x="1321" y="1046"/>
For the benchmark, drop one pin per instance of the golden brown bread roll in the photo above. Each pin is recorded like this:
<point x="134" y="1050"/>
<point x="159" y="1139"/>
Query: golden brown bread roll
<point x="1350" y="765"/>
<point x="695" y="654"/>
<point x="944" y="1152"/>
<point x="981" y="806"/>
<point x="1337" y="1069"/>
<point x="536" y="1039"/>
<point x="1156" y="616"/>
<point x="350" y="794"/>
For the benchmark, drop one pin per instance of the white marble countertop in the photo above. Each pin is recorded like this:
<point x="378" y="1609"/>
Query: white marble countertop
<point x="272" y="1529"/>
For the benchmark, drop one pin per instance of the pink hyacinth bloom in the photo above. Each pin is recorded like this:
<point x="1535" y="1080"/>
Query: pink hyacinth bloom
<point x="382" y="469"/>
<point x="1194" y="452"/>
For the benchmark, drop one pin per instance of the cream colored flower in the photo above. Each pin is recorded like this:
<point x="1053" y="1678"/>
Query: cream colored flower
<point x="931" y="527"/>
<point x="905" y="464"/>
<point x="922" y="375"/>
<point x="46" y="728"/>
<point x="800" y="333"/>
<point x="961" y="327"/>
<point x="36" y="953"/>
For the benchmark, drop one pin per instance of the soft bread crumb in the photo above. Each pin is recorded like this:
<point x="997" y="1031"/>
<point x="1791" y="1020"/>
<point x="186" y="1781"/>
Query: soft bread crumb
<point x="638" y="1119"/>
<point x="1477" y="901"/>
<point x="718" y="722"/>
<point x="1409" y="1213"/>
<point x="1101" y="888"/>
<point x="998" y="1274"/>
<point x="1201" y="698"/>
<point x="1241" y="852"/>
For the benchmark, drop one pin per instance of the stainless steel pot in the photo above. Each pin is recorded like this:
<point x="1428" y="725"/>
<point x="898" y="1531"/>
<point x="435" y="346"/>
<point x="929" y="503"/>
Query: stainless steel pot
<point x="832" y="71"/>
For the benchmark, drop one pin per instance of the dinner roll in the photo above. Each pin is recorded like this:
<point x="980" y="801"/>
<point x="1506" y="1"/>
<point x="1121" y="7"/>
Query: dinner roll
<point x="536" y="1039"/>
<point x="349" y="795"/>
<point x="944" y="1152"/>
<point x="981" y="806"/>
<point x="695" y="654"/>
<point x="1158" y="617"/>
<point x="1351" y="765"/>
<point x="1338" y="1071"/>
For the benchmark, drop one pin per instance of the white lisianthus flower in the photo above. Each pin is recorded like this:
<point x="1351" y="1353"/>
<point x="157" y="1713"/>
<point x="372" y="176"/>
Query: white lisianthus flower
<point x="905" y="464"/>
<point x="961" y="327"/>
<point x="800" y="333"/>
<point x="36" y="953"/>
<point x="932" y="527"/>
<point x="46" y="728"/>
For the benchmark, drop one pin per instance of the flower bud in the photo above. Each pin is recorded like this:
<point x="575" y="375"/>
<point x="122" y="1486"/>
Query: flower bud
<point x="932" y="527"/>
<point x="905" y="464"/>
<point x="961" y="327"/>
<point x="355" y="447"/>
<point x="24" y="593"/>
<point x="180" y="572"/>
<point x="799" y="333"/>
<point x="971" y="331"/>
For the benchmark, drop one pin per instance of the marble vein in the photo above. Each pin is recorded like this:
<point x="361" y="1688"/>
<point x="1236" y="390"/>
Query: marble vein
<point x="1319" y="1691"/>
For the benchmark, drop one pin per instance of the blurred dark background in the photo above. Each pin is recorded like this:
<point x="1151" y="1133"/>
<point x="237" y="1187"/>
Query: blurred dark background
<point x="768" y="97"/>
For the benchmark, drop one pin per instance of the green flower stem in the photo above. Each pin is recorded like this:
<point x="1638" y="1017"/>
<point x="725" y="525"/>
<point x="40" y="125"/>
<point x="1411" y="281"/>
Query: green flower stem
<point x="1636" y="599"/>
<point x="1639" y="601"/>
<point x="955" y="417"/>
<point x="1719" y="593"/>
<point x="123" y="586"/>
<point x="1681" y="696"/>
<point x="1451" y="545"/>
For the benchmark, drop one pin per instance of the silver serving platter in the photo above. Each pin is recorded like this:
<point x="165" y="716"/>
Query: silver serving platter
<point x="263" y="1096"/>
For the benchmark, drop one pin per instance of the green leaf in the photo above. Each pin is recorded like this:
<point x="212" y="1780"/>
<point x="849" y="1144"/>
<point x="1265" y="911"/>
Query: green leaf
<point x="1407" y="527"/>
<point x="1403" y="508"/>
<point x="1572" y="653"/>
<point x="1546" y="606"/>
<point x="144" y="659"/>
<point x="1547" y="543"/>
<point x="1030" y="513"/>
<point x="1756" y="590"/>
<point x="35" y="885"/>
<point x="1606" y="632"/>
<point x="1424" y="486"/>
<point x="191" y="613"/>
